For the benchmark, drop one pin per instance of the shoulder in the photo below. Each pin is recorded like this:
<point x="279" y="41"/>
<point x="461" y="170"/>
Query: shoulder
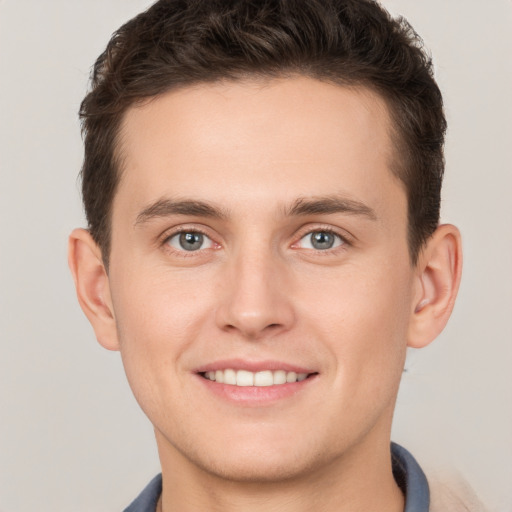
<point x="146" y="501"/>
<point x="454" y="494"/>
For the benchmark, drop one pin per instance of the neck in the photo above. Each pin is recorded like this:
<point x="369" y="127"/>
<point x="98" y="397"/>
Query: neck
<point x="358" y="481"/>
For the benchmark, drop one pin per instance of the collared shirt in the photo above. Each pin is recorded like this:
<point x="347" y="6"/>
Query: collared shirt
<point x="408" y="475"/>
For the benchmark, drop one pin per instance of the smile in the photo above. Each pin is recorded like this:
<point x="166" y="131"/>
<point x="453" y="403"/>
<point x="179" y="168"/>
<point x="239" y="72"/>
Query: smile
<point x="244" y="378"/>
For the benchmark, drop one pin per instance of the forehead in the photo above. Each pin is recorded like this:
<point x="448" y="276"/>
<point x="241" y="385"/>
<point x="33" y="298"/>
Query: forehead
<point x="231" y="140"/>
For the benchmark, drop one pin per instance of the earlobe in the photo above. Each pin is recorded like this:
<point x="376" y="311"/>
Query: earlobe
<point x="92" y="286"/>
<point x="439" y="272"/>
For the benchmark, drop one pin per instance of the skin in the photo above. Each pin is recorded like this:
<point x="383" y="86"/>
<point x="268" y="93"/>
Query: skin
<point x="257" y="290"/>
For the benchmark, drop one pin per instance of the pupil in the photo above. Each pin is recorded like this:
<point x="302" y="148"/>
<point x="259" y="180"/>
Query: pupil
<point x="191" y="241"/>
<point x="322" y="240"/>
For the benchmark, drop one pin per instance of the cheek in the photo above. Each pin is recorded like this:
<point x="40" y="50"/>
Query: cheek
<point x="158" y="315"/>
<point x="363" y="314"/>
<point x="156" y="321"/>
<point x="158" y="304"/>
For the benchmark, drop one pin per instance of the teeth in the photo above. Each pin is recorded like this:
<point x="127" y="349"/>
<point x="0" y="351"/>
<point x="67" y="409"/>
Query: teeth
<point x="244" y="378"/>
<point x="291" y="377"/>
<point x="260" y="379"/>
<point x="280" y="377"/>
<point x="263" y="379"/>
<point x="229" y="377"/>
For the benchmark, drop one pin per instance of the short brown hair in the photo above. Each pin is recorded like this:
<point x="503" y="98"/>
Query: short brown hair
<point x="176" y="43"/>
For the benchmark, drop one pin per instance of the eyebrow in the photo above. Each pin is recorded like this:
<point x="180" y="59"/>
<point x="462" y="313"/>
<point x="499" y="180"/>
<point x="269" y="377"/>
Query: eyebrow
<point x="167" y="207"/>
<point x="329" y="205"/>
<point x="302" y="206"/>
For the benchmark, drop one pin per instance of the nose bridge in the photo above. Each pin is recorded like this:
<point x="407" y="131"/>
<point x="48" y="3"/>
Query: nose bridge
<point x="254" y="300"/>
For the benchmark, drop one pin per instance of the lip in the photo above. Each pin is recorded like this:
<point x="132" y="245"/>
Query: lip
<point x="254" y="396"/>
<point x="252" y="366"/>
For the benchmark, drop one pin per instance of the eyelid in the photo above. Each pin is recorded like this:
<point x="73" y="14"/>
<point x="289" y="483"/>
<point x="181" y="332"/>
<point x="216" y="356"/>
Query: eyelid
<point x="205" y="239"/>
<point x="164" y="238"/>
<point x="347" y="238"/>
<point x="308" y="242"/>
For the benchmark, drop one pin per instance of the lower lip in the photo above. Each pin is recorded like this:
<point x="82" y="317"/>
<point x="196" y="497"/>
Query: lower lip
<point x="256" y="395"/>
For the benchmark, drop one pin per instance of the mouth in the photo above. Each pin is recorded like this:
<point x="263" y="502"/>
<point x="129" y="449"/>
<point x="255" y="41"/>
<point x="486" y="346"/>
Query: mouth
<point x="245" y="378"/>
<point x="255" y="383"/>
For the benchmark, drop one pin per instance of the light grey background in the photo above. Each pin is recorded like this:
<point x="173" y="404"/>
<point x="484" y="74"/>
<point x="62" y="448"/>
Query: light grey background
<point x="71" y="436"/>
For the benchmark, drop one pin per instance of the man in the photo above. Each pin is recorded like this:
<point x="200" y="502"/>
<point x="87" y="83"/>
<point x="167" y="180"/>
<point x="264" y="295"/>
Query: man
<point x="262" y="186"/>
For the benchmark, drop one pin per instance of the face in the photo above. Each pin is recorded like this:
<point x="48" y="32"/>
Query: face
<point x="260" y="274"/>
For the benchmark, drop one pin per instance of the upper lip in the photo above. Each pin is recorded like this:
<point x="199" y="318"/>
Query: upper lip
<point x="252" y="366"/>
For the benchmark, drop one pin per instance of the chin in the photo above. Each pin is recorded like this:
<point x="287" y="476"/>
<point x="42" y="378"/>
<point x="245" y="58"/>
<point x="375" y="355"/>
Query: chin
<point x="254" y="469"/>
<point x="257" y="461"/>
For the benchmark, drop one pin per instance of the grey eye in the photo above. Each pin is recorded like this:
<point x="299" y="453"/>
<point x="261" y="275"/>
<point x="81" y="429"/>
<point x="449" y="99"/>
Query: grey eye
<point x="189" y="241"/>
<point x="321" y="240"/>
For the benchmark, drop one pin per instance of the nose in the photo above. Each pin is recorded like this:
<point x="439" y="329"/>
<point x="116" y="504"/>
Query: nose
<point x="256" y="300"/>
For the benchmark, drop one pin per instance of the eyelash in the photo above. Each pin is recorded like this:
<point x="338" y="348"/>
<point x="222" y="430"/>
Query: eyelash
<point x="183" y="253"/>
<point x="345" y="240"/>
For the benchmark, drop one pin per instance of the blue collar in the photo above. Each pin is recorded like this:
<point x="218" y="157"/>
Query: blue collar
<point x="411" y="480"/>
<point x="407" y="472"/>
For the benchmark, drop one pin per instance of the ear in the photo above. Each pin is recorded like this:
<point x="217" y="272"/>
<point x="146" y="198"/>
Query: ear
<point x="439" y="271"/>
<point x="92" y="286"/>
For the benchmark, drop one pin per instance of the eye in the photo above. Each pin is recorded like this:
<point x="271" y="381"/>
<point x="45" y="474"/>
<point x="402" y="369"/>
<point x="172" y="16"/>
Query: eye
<point x="189" y="241"/>
<point x="321" y="241"/>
